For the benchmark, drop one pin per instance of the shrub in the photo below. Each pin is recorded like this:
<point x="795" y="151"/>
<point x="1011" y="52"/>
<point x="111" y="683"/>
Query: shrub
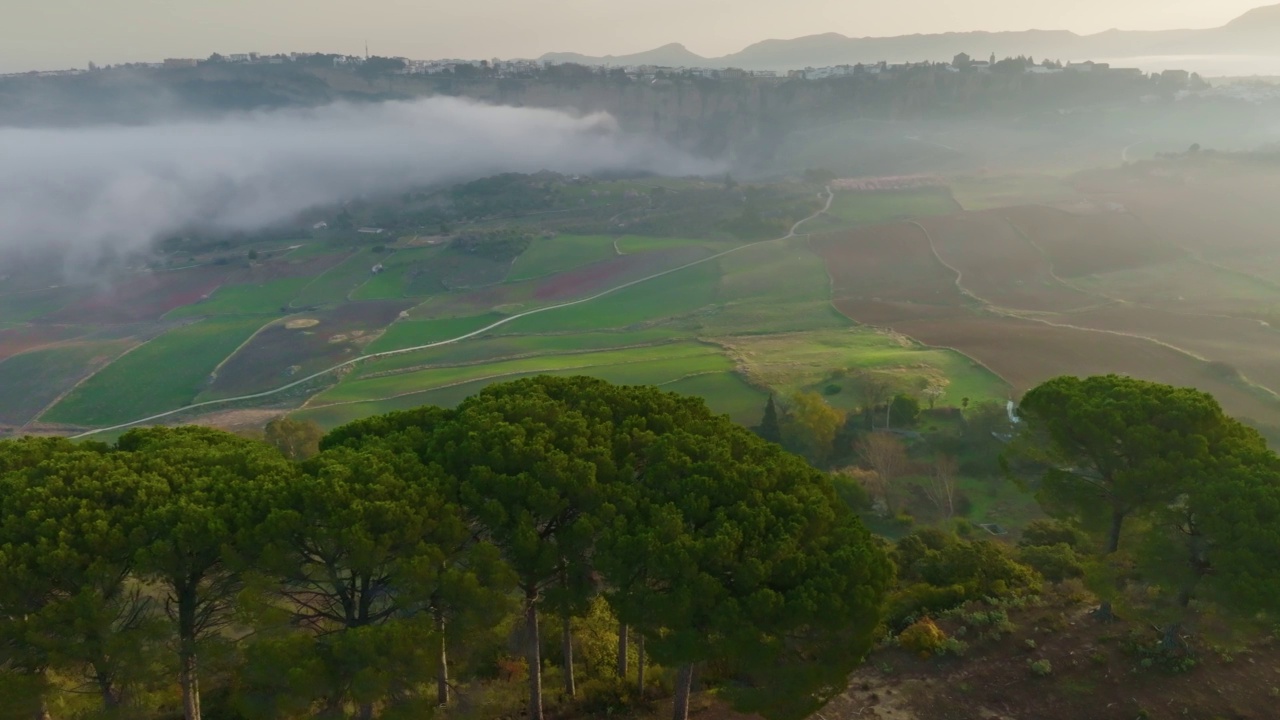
<point x="1052" y="532"/>
<point x="952" y="646"/>
<point x="912" y="602"/>
<point x="1054" y="562"/>
<point x="924" y="638"/>
<point x="600" y="697"/>
<point x="1041" y="668"/>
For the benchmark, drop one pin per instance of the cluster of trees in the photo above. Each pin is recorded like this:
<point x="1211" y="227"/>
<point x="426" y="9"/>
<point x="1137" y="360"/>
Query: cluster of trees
<point x="1181" y="502"/>
<point x="345" y="583"/>
<point x="1162" y="504"/>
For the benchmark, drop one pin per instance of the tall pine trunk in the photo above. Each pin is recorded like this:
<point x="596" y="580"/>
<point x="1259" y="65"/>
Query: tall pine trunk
<point x="640" y="666"/>
<point x="190" y="686"/>
<point x="366" y="711"/>
<point x="43" y="713"/>
<point x="570" y="687"/>
<point x="534" y="656"/>
<point x="188" y="674"/>
<point x="622" y="650"/>
<point x="1113" y="536"/>
<point x="684" y="685"/>
<point x="110" y="701"/>
<point x="442" y="673"/>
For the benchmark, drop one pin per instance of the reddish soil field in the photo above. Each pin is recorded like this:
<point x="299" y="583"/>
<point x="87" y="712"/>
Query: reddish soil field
<point x="999" y="265"/>
<point x="279" y="353"/>
<point x="887" y="273"/>
<point x="601" y="276"/>
<point x="144" y="297"/>
<point x="1026" y="353"/>
<point x="1080" y="244"/>
<point x="22" y="339"/>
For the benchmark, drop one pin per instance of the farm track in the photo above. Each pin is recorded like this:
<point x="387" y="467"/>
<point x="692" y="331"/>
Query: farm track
<point x="349" y="363"/>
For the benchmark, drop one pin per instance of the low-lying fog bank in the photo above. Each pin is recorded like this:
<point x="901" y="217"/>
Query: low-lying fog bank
<point x="118" y="189"/>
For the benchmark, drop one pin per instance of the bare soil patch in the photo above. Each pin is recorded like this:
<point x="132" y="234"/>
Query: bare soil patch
<point x="1026" y="353"/>
<point x="884" y="274"/>
<point x="296" y="348"/>
<point x="1093" y="672"/>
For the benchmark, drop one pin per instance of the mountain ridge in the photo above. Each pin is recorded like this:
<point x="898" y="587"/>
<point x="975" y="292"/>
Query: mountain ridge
<point x="1255" y="32"/>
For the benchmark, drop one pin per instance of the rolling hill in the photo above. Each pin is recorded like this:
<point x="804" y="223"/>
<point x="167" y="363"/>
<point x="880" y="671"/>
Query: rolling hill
<point x="1255" y="32"/>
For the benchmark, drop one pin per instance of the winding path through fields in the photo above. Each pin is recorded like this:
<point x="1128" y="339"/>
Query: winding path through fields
<point x="254" y="396"/>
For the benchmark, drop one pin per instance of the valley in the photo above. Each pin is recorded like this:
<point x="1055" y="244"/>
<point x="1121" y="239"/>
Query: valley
<point x="985" y="287"/>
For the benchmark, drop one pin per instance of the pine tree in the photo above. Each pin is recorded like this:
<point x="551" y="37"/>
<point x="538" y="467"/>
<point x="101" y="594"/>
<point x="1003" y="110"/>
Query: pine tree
<point x="770" y="429"/>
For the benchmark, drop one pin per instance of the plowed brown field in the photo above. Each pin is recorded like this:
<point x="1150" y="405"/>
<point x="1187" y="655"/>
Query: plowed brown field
<point x="885" y="274"/>
<point x="1001" y="266"/>
<point x="1026" y="353"/>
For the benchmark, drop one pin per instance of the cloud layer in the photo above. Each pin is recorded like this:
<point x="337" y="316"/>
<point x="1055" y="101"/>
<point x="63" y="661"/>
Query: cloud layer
<point x="121" y="188"/>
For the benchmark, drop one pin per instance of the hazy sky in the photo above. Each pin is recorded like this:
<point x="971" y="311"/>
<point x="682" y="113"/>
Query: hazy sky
<point x="69" y="33"/>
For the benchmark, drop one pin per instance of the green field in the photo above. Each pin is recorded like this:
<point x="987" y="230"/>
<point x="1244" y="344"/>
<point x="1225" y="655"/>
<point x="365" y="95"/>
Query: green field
<point x="164" y="374"/>
<point x="649" y="364"/>
<point x="488" y="348"/>
<point x="339" y="281"/>
<point x="393" y="282"/>
<point x="547" y="256"/>
<point x="772" y="287"/>
<point x="699" y="373"/>
<point x="725" y="392"/>
<point x="811" y="362"/>
<point x="677" y="293"/>
<point x="31" y="381"/>
<point x="270" y="298"/>
<point x="412" y="333"/>
<point x="877" y="208"/>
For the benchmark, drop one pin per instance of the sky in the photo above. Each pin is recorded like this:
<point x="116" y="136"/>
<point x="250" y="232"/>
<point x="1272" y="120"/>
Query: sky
<point x="55" y="34"/>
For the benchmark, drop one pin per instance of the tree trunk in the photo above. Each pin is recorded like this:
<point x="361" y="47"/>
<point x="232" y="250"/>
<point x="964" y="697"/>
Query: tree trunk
<point x="622" y="650"/>
<point x="534" y="655"/>
<point x="684" y="685"/>
<point x="188" y="669"/>
<point x="43" y="713"/>
<point x="640" y="666"/>
<point x="110" y="701"/>
<point x="570" y="688"/>
<point x="442" y="674"/>
<point x="1171" y="642"/>
<point x="366" y="711"/>
<point x="1113" y="537"/>
<point x="190" y="686"/>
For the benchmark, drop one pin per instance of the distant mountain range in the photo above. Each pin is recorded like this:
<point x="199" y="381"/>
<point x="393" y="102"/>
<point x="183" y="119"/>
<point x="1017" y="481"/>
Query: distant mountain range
<point x="1257" y="32"/>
